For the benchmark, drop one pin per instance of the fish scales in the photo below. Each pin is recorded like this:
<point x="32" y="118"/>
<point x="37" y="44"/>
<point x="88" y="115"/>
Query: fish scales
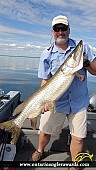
<point x="51" y="93"/>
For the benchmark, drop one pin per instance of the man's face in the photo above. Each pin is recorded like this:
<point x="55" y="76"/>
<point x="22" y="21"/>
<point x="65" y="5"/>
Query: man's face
<point x="60" y="33"/>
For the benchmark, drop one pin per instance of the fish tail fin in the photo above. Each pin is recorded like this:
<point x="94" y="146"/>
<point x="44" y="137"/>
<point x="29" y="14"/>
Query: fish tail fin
<point x="10" y="126"/>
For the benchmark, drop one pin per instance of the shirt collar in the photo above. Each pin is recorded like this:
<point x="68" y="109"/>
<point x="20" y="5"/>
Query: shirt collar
<point x="71" y="44"/>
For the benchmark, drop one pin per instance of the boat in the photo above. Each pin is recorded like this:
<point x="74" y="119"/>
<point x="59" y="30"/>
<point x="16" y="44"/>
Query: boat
<point x="8" y="102"/>
<point x="58" y="147"/>
<point x="92" y="105"/>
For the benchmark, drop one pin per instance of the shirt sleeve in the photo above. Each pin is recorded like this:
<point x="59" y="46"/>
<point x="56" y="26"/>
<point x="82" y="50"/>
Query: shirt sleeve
<point x="44" y="70"/>
<point x="89" y="52"/>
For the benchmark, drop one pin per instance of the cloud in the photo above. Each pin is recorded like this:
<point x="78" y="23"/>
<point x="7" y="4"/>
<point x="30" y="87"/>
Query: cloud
<point x="9" y="31"/>
<point x="20" y="49"/>
<point x="41" y="11"/>
<point x="20" y="10"/>
<point x="39" y="14"/>
<point x="81" y="13"/>
<point x="21" y="46"/>
<point x="33" y="46"/>
<point x="24" y="11"/>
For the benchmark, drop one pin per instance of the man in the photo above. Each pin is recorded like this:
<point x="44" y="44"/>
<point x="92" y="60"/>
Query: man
<point x="74" y="101"/>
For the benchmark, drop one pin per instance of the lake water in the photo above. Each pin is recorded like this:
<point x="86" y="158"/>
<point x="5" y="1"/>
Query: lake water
<point x="20" y="73"/>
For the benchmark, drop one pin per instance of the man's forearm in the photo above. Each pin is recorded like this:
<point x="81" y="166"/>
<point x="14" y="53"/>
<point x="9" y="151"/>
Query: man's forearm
<point x="92" y="68"/>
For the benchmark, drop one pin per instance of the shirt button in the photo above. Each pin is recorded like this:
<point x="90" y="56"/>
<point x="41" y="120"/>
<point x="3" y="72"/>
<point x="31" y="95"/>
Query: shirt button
<point x="70" y="100"/>
<point x="69" y="91"/>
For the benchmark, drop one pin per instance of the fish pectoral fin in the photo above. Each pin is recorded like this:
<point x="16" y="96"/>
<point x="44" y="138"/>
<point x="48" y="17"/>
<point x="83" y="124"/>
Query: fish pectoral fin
<point x="10" y="126"/>
<point x="52" y="106"/>
<point x="80" y="76"/>
<point x="33" y="122"/>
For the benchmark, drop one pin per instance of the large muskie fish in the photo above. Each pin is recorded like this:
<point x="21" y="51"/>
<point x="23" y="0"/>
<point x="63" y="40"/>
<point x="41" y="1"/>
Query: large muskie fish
<point x="48" y="93"/>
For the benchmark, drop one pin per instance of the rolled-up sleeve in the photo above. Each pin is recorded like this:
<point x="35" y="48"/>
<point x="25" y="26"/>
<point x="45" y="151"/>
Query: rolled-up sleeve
<point x="89" y="52"/>
<point x="44" y="70"/>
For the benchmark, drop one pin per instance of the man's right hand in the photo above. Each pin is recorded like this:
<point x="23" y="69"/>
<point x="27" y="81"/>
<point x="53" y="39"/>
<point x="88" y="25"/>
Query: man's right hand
<point x="45" y="108"/>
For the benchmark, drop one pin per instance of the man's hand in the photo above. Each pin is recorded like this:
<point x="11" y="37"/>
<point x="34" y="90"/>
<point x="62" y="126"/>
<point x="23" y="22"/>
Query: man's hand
<point x="86" y="62"/>
<point x="45" y="108"/>
<point x="89" y="66"/>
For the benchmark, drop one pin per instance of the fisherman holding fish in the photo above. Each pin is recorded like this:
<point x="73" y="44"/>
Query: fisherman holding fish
<point x="63" y="93"/>
<point x="74" y="102"/>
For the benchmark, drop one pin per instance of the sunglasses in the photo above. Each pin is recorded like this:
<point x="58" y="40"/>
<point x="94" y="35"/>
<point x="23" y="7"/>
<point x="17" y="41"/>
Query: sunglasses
<point x="57" y="29"/>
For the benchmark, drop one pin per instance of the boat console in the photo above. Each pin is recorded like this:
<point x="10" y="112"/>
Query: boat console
<point x="8" y="102"/>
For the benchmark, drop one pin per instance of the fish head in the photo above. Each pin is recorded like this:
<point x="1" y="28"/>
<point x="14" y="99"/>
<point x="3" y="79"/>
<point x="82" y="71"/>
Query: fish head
<point x="74" y="61"/>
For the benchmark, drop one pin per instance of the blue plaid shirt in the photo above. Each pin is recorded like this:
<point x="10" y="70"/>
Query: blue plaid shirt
<point x="76" y="98"/>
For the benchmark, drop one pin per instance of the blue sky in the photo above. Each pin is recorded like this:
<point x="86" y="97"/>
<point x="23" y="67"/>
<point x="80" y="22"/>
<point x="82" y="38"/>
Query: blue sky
<point x="26" y="24"/>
